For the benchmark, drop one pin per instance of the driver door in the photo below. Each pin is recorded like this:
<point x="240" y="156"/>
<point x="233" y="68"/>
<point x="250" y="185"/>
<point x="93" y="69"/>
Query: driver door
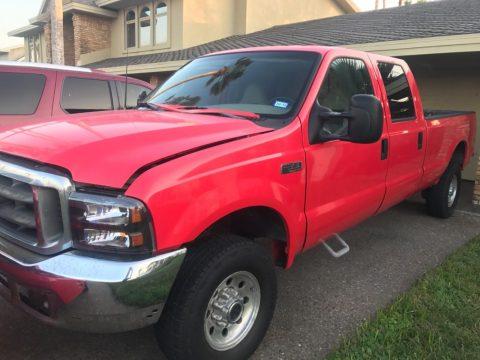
<point x="345" y="180"/>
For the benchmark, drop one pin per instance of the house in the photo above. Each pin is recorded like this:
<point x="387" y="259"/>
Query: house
<point x="440" y="40"/>
<point x="13" y="53"/>
<point x="79" y="32"/>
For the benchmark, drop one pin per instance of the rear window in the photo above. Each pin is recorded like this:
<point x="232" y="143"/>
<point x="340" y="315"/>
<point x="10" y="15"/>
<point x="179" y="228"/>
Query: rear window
<point x="133" y="94"/>
<point x="20" y="93"/>
<point x="398" y="90"/>
<point x="84" y="95"/>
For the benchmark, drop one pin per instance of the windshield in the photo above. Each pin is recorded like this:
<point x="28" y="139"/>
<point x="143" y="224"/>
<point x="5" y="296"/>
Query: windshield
<point x="269" y="83"/>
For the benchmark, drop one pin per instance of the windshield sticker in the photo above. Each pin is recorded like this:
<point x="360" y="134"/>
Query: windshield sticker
<point x="281" y="104"/>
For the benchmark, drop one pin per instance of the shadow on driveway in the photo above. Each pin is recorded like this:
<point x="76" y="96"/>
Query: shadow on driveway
<point x="321" y="299"/>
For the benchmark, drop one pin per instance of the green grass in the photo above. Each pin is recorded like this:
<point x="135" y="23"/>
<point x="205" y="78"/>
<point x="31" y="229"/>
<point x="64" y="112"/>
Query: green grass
<point x="438" y="318"/>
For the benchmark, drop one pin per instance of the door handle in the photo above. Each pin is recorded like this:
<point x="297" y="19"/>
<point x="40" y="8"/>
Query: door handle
<point x="420" y="140"/>
<point x="384" y="154"/>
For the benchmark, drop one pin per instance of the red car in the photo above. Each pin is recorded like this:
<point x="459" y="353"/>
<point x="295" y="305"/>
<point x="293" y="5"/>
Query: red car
<point x="31" y="91"/>
<point x="177" y="213"/>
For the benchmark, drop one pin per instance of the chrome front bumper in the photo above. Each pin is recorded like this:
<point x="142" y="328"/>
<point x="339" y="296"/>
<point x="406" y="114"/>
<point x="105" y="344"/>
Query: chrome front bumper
<point x="80" y="292"/>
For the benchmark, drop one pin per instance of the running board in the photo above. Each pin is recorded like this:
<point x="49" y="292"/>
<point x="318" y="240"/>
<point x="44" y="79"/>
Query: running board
<point x="336" y="254"/>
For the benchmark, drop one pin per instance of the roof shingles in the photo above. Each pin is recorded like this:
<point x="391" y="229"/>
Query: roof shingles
<point x="432" y="19"/>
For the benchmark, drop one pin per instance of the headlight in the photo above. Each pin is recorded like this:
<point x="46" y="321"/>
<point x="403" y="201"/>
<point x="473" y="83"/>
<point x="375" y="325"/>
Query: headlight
<point x="108" y="223"/>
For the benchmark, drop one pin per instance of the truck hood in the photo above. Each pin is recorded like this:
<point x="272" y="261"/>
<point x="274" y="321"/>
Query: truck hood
<point x="106" y="149"/>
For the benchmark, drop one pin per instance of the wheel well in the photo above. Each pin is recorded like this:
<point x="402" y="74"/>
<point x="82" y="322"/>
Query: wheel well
<point x="261" y="224"/>
<point x="461" y="149"/>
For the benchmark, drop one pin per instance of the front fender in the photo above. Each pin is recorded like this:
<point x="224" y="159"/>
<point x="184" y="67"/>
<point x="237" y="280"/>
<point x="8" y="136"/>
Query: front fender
<point x="187" y="195"/>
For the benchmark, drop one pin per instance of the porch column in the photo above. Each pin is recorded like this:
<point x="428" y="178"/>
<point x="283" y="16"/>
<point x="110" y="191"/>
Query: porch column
<point x="56" y="13"/>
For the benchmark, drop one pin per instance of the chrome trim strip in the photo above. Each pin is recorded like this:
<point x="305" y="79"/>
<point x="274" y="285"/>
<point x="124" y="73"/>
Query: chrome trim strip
<point x="43" y="179"/>
<point x="76" y="266"/>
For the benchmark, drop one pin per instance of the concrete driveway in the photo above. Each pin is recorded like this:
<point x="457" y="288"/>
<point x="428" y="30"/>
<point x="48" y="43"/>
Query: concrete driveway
<point x="321" y="299"/>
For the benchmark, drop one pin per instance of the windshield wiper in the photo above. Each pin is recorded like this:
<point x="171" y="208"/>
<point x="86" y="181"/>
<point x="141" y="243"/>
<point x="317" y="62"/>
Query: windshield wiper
<point x="148" y="105"/>
<point x="202" y="110"/>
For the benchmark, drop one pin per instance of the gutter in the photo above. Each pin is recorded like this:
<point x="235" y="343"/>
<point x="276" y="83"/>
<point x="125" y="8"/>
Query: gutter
<point x="423" y="46"/>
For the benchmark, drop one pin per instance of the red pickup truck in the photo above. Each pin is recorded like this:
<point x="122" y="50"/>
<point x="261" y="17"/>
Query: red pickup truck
<point x="176" y="214"/>
<point x="31" y="91"/>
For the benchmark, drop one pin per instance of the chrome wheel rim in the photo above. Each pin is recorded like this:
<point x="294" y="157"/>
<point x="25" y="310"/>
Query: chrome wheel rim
<point x="452" y="191"/>
<point x="232" y="310"/>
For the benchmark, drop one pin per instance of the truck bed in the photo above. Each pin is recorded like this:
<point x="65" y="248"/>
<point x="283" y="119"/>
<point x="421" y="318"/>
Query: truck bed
<point x="439" y="114"/>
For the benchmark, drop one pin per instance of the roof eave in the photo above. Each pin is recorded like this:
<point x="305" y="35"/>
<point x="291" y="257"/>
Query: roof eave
<point x="348" y="5"/>
<point x="25" y="31"/>
<point x="78" y="7"/>
<point x="423" y="46"/>
<point x="39" y="19"/>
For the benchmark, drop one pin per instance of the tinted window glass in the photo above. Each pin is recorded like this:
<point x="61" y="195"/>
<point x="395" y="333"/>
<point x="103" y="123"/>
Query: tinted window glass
<point x="20" y="93"/>
<point x="83" y="95"/>
<point x="133" y="93"/>
<point x="345" y="77"/>
<point x="398" y="92"/>
<point x="267" y="83"/>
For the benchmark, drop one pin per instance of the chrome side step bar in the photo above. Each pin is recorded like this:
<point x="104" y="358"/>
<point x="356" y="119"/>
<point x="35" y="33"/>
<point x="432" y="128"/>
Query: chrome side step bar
<point x="336" y="254"/>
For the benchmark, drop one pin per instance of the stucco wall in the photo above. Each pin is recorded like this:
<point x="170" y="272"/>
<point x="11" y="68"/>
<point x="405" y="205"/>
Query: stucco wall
<point x="452" y="89"/>
<point x="176" y="33"/>
<point x="209" y="20"/>
<point x="194" y="22"/>
<point x="262" y="14"/>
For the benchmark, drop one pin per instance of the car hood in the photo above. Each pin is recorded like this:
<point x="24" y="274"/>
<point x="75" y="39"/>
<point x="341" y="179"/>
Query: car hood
<point x="106" y="149"/>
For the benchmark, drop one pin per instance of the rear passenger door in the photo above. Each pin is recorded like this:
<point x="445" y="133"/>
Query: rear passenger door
<point x="406" y="132"/>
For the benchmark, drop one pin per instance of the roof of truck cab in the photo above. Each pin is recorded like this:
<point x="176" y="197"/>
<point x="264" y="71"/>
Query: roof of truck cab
<point x="73" y="69"/>
<point x="48" y="66"/>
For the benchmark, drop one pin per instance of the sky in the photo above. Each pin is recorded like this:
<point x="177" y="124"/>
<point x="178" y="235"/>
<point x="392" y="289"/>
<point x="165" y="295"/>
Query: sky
<point x="15" y="14"/>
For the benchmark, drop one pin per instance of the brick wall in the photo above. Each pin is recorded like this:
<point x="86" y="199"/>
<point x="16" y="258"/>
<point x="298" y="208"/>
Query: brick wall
<point x="47" y="33"/>
<point x="476" y="192"/>
<point x="69" y="42"/>
<point x="91" y="33"/>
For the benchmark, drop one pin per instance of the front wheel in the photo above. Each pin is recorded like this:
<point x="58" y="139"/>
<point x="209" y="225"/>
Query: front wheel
<point x="221" y="303"/>
<point x="442" y="198"/>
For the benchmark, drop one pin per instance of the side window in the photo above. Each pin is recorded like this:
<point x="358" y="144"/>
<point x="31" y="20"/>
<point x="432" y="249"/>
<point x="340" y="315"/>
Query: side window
<point x="398" y="92"/>
<point x="133" y="94"/>
<point x="20" y="93"/>
<point x="83" y="95"/>
<point x="345" y="77"/>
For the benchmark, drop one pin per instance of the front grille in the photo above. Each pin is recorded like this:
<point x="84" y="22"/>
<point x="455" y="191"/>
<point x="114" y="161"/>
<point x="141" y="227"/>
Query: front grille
<point x="34" y="208"/>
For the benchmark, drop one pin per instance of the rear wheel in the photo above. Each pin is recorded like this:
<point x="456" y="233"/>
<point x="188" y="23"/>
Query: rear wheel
<point x="442" y="198"/>
<point x="222" y="301"/>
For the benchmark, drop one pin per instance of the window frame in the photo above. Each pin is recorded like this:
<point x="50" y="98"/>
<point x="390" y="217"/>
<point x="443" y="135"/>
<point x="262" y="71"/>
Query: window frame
<point x="130" y="22"/>
<point x="152" y="45"/>
<point x="110" y="91"/>
<point x="402" y="119"/>
<point x="371" y="77"/>
<point x="145" y="18"/>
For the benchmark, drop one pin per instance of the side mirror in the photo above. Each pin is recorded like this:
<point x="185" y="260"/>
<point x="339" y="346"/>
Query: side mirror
<point x="362" y="124"/>
<point x="141" y="98"/>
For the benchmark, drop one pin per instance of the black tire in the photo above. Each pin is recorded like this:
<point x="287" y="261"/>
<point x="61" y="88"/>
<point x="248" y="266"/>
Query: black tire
<point x="180" y="330"/>
<point x="438" y="195"/>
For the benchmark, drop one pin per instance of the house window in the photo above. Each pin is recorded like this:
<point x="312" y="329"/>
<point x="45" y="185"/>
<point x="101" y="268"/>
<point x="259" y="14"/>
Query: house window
<point x="161" y="23"/>
<point x="34" y="48"/>
<point x="131" y="25"/>
<point x="145" y="30"/>
<point x="151" y="29"/>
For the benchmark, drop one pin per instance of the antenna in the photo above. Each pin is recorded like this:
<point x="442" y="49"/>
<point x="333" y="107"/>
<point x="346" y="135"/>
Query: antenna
<point x="126" y="76"/>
